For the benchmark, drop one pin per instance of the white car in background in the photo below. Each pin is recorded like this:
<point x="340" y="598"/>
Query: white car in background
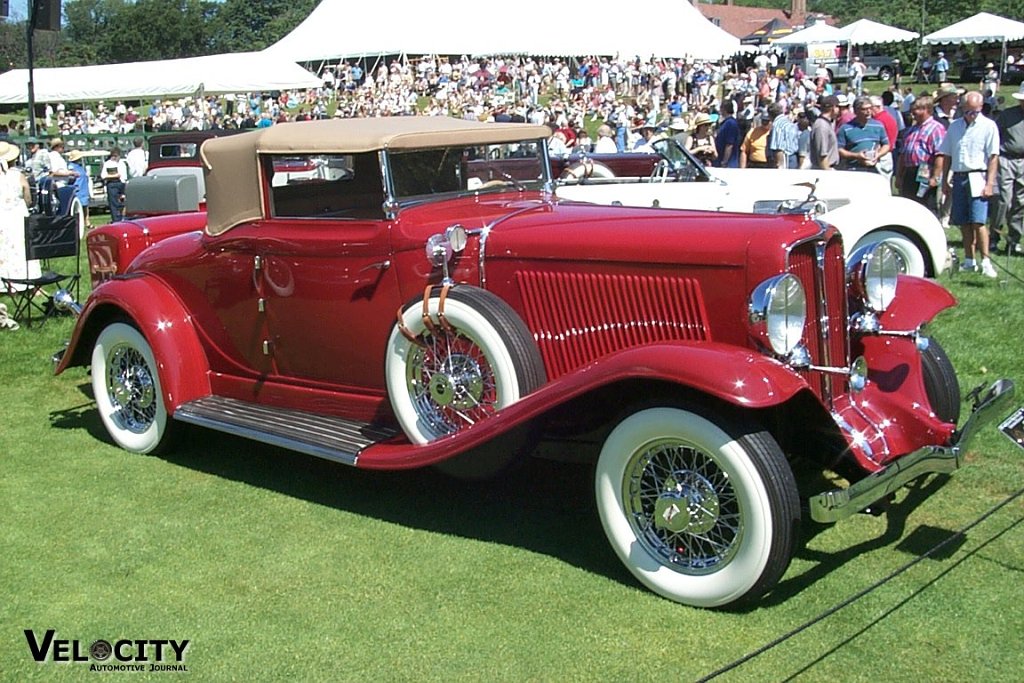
<point x="859" y="204"/>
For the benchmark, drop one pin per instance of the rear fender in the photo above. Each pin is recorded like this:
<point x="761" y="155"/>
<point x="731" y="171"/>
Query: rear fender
<point x="736" y="376"/>
<point x="151" y="307"/>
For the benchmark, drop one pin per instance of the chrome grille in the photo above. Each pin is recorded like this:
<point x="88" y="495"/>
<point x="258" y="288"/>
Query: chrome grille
<point x="821" y="268"/>
<point x="580" y="317"/>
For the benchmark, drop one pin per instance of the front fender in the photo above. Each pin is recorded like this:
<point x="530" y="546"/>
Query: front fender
<point x="917" y="301"/>
<point x="737" y="376"/>
<point x="162" y="320"/>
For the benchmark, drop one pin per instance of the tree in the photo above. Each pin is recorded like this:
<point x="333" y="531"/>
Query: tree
<point x="243" y="25"/>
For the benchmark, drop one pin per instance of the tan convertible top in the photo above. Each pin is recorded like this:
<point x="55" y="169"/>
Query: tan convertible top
<point x="231" y="164"/>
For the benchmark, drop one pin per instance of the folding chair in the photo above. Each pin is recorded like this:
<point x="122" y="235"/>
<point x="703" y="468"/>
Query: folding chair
<point x="46" y="237"/>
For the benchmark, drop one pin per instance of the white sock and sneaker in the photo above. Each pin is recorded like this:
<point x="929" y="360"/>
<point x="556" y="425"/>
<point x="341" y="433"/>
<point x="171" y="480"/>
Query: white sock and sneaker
<point x="969" y="266"/>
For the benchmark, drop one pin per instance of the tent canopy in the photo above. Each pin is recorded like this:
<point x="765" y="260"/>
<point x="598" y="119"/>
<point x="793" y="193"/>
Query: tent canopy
<point x="768" y="33"/>
<point x="236" y="72"/>
<point x="818" y="33"/>
<point x="981" y="28"/>
<point x="865" y="32"/>
<point x="339" y="29"/>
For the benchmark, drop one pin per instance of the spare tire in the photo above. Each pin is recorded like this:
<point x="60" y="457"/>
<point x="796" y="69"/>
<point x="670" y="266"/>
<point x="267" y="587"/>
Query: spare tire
<point x="472" y="356"/>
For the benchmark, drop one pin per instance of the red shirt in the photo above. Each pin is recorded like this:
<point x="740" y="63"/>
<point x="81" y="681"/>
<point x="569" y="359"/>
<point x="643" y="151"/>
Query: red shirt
<point x="891" y="129"/>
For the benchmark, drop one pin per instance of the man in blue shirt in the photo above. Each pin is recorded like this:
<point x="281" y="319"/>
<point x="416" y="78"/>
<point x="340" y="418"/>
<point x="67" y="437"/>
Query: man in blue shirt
<point x="862" y="141"/>
<point x="784" y="140"/>
<point x="728" y="139"/>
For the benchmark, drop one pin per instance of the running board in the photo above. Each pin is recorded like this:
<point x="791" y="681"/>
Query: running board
<point x="324" y="436"/>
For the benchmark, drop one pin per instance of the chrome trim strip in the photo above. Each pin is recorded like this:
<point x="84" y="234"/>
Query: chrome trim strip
<point x="837" y="504"/>
<point x="485" y="231"/>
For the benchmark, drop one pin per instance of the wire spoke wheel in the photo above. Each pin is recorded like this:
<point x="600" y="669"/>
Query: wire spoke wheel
<point x="451" y="381"/>
<point x="127" y="389"/>
<point x="702" y="508"/>
<point x="682" y="506"/>
<point x="130" y="388"/>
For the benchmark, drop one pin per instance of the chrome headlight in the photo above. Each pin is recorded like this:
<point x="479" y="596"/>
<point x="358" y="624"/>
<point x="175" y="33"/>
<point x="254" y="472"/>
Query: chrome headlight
<point x="778" y="312"/>
<point x="872" y="275"/>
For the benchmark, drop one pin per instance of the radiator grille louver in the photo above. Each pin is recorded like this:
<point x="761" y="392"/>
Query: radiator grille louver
<point x="580" y="317"/>
<point x="824" y="280"/>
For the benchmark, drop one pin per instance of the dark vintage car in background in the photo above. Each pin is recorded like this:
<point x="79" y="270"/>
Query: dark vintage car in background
<point x="413" y="304"/>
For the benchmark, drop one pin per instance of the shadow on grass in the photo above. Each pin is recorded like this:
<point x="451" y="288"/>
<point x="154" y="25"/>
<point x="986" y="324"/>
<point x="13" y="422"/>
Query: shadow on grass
<point x="896" y="516"/>
<point x="545" y="507"/>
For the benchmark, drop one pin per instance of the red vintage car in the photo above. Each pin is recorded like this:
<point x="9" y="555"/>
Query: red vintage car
<point x="413" y="304"/>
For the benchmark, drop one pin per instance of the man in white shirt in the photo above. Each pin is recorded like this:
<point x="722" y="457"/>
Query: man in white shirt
<point x="971" y="151"/>
<point x="138" y="158"/>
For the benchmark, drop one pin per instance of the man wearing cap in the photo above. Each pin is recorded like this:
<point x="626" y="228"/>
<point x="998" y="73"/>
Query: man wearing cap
<point x="81" y="182"/>
<point x="990" y="81"/>
<point x="971" y="149"/>
<point x="59" y="171"/>
<point x="856" y="76"/>
<point x="844" y="112"/>
<point x="946" y="98"/>
<point x="941" y="67"/>
<point x="1008" y="207"/>
<point x="38" y="159"/>
<point x="824" y="148"/>
<point x="916" y="163"/>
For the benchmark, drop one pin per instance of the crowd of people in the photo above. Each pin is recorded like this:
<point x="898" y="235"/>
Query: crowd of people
<point x="745" y="112"/>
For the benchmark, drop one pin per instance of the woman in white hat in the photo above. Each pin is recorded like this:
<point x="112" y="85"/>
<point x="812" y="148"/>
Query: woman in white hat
<point x="702" y="141"/>
<point x="15" y="198"/>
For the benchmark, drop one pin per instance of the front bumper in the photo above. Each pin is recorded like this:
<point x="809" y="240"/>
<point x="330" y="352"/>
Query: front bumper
<point x="837" y="504"/>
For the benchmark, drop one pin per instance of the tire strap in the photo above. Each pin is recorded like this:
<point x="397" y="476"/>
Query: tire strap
<point x="427" y="322"/>
<point x="407" y="333"/>
<point x="441" y="317"/>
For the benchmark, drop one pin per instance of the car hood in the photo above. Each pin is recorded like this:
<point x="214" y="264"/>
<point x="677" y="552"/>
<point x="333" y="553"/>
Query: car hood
<point x="566" y="230"/>
<point x="733" y="189"/>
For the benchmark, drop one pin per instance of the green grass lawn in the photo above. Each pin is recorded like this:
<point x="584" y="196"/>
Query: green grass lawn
<point x="276" y="565"/>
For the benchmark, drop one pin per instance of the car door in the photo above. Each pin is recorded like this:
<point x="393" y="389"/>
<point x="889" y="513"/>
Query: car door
<point x="326" y="273"/>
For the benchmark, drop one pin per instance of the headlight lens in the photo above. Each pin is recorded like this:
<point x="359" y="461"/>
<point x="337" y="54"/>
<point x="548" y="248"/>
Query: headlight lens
<point x="778" y="312"/>
<point x="873" y="272"/>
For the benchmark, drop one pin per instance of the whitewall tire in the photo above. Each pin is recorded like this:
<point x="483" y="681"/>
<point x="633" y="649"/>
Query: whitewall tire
<point x="456" y="375"/>
<point x="127" y="389"/>
<point x="912" y="260"/>
<point x="702" y="511"/>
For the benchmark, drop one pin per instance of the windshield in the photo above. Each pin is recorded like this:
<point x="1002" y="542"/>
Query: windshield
<point x="472" y="168"/>
<point x="681" y="164"/>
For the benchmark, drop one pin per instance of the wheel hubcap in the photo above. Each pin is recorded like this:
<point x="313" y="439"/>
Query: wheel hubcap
<point x="689" y="504"/>
<point x="451" y="382"/>
<point x="131" y="388"/>
<point x="682" y="506"/>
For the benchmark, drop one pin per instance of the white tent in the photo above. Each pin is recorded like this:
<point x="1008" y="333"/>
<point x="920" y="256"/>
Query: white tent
<point x="981" y="28"/>
<point x="866" y="32"/>
<point x="817" y="33"/>
<point x="236" y="72"/>
<point x="339" y="29"/>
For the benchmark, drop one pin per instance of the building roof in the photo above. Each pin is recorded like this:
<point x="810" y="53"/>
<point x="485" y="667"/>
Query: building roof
<point x="742" y="21"/>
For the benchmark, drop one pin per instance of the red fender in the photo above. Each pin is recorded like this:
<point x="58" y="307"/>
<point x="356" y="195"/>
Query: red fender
<point x="738" y="376"/>
<point x="917" y="301"/>
<point x="163" y="321"/>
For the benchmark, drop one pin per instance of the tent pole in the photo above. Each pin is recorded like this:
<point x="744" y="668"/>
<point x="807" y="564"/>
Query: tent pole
<point x="31" y="68"/>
